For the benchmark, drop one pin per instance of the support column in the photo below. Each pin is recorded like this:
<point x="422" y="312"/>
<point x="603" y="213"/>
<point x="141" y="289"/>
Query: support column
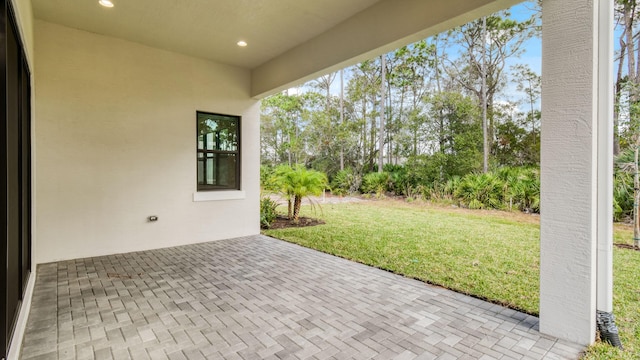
<point x="576" y="167"/>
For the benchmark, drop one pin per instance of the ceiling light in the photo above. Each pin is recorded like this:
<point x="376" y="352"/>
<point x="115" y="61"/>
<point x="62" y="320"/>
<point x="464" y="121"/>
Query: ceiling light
<point x="106" y="3"/>
<point x="242" y="43"/>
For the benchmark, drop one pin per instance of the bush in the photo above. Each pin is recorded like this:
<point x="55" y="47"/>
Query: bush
<point x="521" y="188"/>
<point x="375" y="183"/>
<point x="622" y="195"/>
<point x="480" y="191"/>
<point x="267" y="212"/>
<point x="345" y="182"/>
<point x="267" y="178"/>
<point x="399" y="181"/>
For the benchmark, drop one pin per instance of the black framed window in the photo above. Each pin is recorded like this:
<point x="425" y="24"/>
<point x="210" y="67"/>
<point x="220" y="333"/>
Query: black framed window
<point x="218" y="151"/>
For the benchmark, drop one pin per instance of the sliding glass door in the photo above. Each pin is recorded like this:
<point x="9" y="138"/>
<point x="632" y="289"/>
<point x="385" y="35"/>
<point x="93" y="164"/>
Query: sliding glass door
<point x="15" y="174"/>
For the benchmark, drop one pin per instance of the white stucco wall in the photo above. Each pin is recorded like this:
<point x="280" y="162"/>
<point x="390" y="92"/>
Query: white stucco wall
<point x="569" y="167"/>
<point x="115" y="143"/>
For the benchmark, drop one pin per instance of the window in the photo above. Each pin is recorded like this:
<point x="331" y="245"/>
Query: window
<point x="218" y="152"/>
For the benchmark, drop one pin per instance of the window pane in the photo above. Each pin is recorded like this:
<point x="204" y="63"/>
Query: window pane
<point x="218" y="151"/>
<point x="200" y="142"/>
<point x="200" y="171"/>
<point x="226" y="170"/>
<point x="210" y="171"/>
<point x="220" y="132"/>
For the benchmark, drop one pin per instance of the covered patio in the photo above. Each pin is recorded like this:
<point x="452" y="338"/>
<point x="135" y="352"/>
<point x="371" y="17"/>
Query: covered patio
<point x="102" y="162"/>
<point x="261" y="298"/>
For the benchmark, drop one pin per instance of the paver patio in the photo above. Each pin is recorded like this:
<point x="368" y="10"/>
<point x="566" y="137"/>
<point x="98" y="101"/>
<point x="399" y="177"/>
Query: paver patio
<point x="261" y="298"/>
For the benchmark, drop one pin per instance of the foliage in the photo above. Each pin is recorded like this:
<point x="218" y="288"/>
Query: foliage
<point x="623" y="186"/>
<point x="399" y="181"/>
<point x="515" y="144"/>
<point x="296" y="183"/>
<point x="345" y="182"/>
<point x="375" y="183"/>
<point x="267" y="178"/>
<point x="268" y="212"/>
<point x="481" y="191"/>
<point x="507" y="188"/>
<point x="457" y="132"/>
<point x="622" y="196"/>
<point x="431" y="107"/>
<point x="521" y="188"/>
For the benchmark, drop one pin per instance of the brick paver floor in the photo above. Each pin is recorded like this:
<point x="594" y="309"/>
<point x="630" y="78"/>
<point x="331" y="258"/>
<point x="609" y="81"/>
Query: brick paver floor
<point x="261" y="298"/>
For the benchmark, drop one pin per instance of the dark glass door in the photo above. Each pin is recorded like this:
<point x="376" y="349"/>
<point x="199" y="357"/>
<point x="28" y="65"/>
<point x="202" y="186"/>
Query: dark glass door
<point x="15" y="174"/>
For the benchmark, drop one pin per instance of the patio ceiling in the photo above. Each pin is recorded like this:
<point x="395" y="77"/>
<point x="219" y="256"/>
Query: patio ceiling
<point x="288" y="40"/>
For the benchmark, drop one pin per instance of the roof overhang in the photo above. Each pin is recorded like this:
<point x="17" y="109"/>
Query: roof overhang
<point x="290" y="41"/>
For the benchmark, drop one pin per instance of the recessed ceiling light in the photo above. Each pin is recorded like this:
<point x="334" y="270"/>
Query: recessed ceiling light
<point x="106" y="3"/>
<point x="242" y="43"/>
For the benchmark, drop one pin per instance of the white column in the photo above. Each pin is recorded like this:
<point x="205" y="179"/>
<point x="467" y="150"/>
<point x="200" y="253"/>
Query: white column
<point x="576" y="166"/>
<point x="605" y="157"/>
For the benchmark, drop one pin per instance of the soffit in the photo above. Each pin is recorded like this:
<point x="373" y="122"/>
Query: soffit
<point x="207" y="29"/>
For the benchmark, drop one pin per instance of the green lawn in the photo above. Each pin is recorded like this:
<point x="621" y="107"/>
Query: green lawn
<point x="488" y="254"/>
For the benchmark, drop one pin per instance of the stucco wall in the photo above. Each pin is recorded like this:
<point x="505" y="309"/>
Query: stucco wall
<point x="568" y="170"/>
<point x="115" y="143"/>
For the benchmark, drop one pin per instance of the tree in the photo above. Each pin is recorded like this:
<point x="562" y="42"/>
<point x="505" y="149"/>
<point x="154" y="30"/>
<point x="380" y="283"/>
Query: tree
<point x="281" y="124"/>
<point x="411" y="68"/>
<point x="530" y="84"/>
<point x="627" y="84"/>
<point x="413" y="112"/>
<point x="456" y="134"/>
<point x="485" y="45"/>
<point x="296" y="183"/>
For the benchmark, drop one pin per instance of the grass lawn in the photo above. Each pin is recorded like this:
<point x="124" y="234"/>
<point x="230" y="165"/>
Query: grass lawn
<point x="488" y="254"/>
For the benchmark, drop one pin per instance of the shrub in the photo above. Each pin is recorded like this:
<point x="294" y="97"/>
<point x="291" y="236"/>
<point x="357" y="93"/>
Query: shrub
<point x="375" y="183"/>
<point x="400" y="183"/>
<point x="345" y="182"/>
<point x="622" y="195"/>
<point x="480" y="191"/>
<point x="267" y="178"/>
<point x="267" y="212"/>
<point x="521" y="188"/>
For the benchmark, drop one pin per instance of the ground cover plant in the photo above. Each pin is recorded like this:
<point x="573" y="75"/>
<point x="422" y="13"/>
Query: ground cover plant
<point x="493" y="255"/>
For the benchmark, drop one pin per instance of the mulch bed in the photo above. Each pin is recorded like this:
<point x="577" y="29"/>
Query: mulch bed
<point x="282" y="222"/>
<point x="627" y="246"/>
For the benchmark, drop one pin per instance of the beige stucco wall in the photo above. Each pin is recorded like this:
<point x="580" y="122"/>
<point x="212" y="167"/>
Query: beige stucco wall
<point x="115" y="143"/>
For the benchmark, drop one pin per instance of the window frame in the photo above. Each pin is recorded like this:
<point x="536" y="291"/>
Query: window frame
<point x="237" y="153"/>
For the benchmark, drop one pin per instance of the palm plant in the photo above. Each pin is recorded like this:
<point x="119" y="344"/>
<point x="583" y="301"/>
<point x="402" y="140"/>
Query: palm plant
<point x="521" y="187"/>
<point x="480" y="191"/>
<point x="296" y="183"/>
<point x="375" y="183"/>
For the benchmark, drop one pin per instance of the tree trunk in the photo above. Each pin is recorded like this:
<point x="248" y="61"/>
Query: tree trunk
<point x="485" y="127"/>
<point x="364" y="131"/>
<point x="631" y="56"/>
<point x="617" y="91"/>
<point x="289" y="209"/>
<point x="341" y="118"/>
<point x="636" y="201"/>
<point x="383" y="81"/>
<point x="296" y="208"/>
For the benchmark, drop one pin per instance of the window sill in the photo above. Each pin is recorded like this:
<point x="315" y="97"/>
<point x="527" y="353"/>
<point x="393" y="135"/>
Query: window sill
<point x="219" y="195"/>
